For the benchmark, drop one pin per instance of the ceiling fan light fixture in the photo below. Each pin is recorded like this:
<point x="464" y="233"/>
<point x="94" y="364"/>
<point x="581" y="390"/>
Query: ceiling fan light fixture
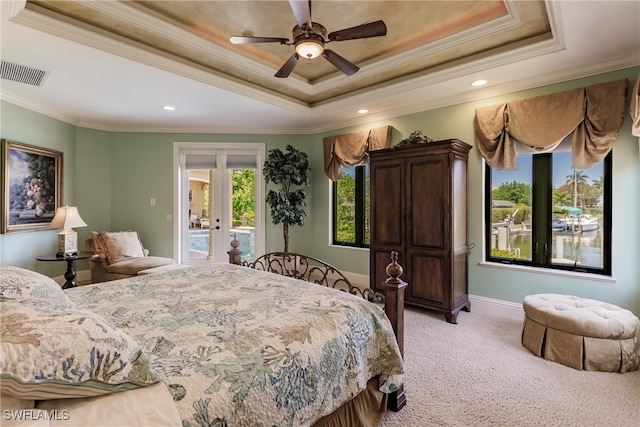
<point x="310" y="37"/>
<point x="309" y="49"/>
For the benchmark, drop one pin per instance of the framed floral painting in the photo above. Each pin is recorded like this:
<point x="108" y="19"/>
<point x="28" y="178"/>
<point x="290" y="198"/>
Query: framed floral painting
<point x="31" y="186"/>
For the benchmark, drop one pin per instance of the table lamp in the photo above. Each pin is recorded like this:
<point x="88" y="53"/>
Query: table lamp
<point x="67" y="218"/>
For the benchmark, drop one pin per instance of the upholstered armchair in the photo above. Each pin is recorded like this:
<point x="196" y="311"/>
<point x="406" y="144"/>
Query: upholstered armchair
<point x="118" y="255"/>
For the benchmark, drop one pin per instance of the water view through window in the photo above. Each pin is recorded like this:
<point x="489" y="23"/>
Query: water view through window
<point x="577" y="212"/>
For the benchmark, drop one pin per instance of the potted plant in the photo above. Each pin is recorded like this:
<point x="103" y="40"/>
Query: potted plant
<point x="416" y="137"/>
<point x="290" y="170"/>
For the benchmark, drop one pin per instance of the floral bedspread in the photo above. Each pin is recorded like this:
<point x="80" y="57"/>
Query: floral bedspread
<point x="240" y="347"/>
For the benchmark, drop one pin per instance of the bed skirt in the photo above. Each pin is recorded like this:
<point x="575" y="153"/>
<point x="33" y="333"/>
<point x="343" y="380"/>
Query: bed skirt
<point x="364" y="410"/>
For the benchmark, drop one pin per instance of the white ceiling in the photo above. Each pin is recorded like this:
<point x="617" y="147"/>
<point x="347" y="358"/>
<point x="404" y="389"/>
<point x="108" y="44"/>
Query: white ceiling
<point x="99" y="81"/>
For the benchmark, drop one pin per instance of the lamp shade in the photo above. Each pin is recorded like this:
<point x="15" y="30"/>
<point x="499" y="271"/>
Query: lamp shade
<point x="67" y="217"/>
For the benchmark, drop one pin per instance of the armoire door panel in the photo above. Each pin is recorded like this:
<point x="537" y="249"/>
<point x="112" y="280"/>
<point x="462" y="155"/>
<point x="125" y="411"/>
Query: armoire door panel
<point x="427" y="212"/>
<point x="386" y="210"/>
<point x="427" y="276"/>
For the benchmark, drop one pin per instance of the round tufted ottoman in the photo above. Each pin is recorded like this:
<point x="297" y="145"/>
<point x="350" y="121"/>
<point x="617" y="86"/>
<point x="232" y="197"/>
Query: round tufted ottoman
<point x="581" y="333"/>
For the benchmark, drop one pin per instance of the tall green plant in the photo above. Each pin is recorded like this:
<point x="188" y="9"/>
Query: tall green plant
<point x="290" y="171"/>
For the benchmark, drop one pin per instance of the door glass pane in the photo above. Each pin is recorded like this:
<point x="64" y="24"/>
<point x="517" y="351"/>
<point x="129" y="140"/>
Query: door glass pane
<point x="243" y="211"/>
<point x="219" y="200"/>
<point x="577" y="215"/>
<point x="511" y="196"/>
<point x="199" y="209"/>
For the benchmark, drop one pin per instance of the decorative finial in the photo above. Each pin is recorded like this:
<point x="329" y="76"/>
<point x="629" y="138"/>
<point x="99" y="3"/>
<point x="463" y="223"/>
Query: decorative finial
<point x="235" y="254"/>
<point x="394" y="270"/>
<point x="234" y="243"/>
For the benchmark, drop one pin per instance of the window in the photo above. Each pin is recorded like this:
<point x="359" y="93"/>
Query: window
<point x="351" y="207"/>
<point x="546" y="214"/>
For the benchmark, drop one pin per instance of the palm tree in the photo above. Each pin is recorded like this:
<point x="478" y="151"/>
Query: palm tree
<point x="598" y="183"/>
<point x="577" y="177"/>
<point x="561" y="198"/>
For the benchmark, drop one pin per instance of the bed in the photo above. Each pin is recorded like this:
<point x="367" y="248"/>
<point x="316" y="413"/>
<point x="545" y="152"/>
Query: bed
<point x="217" y="345"/>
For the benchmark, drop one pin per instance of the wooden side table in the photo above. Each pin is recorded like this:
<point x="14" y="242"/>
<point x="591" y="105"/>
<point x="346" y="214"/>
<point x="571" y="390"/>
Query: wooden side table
<point x="70" y="274"/>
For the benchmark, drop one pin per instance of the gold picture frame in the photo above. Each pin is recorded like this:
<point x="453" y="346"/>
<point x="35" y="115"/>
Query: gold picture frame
<point x="31" y="186"/>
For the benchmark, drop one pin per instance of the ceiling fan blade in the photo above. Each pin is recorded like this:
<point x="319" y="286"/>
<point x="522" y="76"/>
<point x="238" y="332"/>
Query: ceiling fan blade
<point x="288" y="66"/>
<point x="372" y="29"/>
<point x="302" y="11"/>
<point x="340" y="63"/>
<point x="244" y="40"/>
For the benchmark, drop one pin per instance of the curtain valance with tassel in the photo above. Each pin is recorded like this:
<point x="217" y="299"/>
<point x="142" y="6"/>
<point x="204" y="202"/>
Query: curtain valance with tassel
<point x="634" y="109"/>
<point x="350" y="149"/>
<point x="593" y="115"/>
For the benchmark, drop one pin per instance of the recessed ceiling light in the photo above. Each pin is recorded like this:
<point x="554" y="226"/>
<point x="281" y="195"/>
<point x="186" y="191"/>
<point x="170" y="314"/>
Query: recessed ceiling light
<point x="169" y="107"/>
<point x="479" y="83"/>
<point x="363" y="111"/>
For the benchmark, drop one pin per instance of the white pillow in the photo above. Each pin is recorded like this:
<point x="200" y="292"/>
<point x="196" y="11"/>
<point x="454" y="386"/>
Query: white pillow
<point x="51" y="348"/>
<point x="120" y="245"/>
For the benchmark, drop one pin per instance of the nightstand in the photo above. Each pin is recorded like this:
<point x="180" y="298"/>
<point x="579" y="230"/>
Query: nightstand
<point x="70" y="274"/>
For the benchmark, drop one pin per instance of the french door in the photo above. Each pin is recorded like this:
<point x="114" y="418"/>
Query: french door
<point x="220" y="196"/>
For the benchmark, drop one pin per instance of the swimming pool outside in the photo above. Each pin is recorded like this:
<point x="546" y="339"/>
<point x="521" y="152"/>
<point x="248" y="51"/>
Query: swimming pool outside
<point x="199" y="241"/>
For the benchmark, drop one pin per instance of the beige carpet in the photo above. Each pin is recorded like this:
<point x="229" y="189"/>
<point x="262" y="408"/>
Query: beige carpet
<point x="477" y="373"/>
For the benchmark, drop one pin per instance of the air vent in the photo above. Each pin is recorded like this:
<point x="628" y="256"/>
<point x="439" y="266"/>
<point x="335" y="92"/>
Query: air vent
<point x="22" y="73"/>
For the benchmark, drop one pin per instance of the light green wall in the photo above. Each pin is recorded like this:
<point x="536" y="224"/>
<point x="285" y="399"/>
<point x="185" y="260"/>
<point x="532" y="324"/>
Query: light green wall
<point x="94" y="173"/>
<point x="142" y="168"/>
<point x="111" y="176"/>
<point x="21" y="125"/>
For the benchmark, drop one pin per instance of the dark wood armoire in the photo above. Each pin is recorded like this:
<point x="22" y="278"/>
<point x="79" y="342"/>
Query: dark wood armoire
<point x="419" y="209"/>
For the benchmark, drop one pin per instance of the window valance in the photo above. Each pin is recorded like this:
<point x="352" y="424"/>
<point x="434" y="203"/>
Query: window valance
<point x="350" y="149"/>
<point x="634" y="109"/>
<point x="592" y="115"/>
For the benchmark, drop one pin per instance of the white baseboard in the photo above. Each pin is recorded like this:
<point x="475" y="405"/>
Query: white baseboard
<point x="495" y="306"/>
<point x="360" y="280"/>
<point x="478" y="303"/>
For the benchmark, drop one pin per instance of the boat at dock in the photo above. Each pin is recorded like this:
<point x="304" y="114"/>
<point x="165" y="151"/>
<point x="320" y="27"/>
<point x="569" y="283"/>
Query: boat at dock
<point x="575" y="224"/>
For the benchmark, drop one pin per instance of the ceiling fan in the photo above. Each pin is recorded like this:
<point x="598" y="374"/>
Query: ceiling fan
<point x="310" y="37"/>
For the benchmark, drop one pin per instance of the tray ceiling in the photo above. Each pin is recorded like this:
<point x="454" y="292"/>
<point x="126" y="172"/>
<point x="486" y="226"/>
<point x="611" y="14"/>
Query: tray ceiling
<point x="179" y="52"/>
<point x="421" y="36"/>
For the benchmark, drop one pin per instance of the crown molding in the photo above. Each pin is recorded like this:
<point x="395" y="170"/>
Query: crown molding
<point x="426" y="104"/>
<point x="32" y="106"/>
